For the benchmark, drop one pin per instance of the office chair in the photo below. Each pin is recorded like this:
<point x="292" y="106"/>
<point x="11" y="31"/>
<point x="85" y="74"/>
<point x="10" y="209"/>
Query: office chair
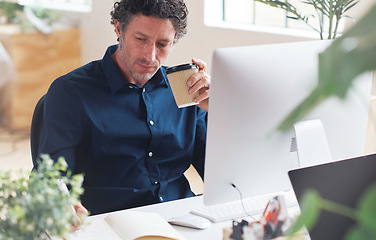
<point x="36" y="129"/>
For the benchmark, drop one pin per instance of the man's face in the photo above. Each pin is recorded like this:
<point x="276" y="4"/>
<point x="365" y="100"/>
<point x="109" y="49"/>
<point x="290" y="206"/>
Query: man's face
<point x="144" y="46"/>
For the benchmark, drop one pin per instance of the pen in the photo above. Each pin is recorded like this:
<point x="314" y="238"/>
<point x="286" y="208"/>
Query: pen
<point x="63" y="187"/>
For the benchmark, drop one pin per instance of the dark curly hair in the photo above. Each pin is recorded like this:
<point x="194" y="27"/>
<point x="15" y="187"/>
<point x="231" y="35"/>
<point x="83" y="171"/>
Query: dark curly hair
<point x="174" y="10"/>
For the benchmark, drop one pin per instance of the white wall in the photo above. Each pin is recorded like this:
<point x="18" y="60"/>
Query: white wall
<point x="200" y="41"/>
<point x="96" y="31"/>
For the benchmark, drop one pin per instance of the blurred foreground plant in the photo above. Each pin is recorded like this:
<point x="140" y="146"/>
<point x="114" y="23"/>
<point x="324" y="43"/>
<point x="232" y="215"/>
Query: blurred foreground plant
<point x="364" y="214"/>
<point x="32" y="206"/>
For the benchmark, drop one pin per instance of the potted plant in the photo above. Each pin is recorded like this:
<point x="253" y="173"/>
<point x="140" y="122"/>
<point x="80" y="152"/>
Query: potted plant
<point x="330" y="10"/>
<point x="33" y="206"/>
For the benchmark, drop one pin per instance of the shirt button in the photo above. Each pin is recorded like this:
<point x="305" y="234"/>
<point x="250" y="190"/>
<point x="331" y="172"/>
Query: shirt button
<point x="150" y="154"/>
<point x="161" y="198"/>
<point x="156" y="183"/>
<point x="130" y="86"/>
<point x="151" y="122"/>
<point x="143" y="90"/>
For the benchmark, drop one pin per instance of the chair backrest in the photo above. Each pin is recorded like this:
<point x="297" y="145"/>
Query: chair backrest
<point x="36" y="129"/>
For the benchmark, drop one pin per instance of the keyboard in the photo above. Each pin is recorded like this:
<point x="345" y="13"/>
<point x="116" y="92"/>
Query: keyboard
<point x="233" y="210"/>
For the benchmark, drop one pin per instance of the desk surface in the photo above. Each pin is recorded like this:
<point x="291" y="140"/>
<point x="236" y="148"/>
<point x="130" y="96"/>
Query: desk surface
<point x="97" y="228"/>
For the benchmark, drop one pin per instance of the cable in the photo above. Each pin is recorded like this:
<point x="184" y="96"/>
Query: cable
<point x="241" y="200"/>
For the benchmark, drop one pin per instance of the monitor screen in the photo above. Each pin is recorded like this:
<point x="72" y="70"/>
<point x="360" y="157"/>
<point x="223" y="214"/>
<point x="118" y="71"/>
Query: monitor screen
<point x="253" y="89"/>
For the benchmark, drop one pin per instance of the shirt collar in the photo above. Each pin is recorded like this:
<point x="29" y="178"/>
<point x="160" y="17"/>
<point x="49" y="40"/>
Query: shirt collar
<point x="116" y="81"/>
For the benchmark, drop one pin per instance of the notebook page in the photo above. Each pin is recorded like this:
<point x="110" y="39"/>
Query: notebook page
<point x="131" y="225"/>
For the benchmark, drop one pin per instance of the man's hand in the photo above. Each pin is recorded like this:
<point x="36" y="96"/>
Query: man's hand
<point x="200" y="82"/>
<point x="79" y="218"/>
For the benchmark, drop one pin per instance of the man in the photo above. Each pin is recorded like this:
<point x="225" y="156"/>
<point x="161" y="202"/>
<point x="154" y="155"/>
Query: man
<point x="116" y="121"/>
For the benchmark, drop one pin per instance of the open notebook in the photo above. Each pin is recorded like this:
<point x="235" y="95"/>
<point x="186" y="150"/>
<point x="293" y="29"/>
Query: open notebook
<point x="130" y="225"/>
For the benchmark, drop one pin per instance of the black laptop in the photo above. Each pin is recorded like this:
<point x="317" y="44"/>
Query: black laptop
<point x="343" y="182"/>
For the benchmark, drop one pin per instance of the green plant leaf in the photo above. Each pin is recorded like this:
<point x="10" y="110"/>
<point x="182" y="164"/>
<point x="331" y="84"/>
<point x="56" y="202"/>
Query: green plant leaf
<point x="367" y="211"/>
<point x="310" y="211"/>
<point x="368" y="200"/>
<point x="358" y="233"/>
<point x="349" y="5"/>
<point x="31" y="205"/>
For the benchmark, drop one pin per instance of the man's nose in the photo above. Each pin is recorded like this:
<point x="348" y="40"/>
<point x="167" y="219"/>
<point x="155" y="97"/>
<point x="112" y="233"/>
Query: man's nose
<point x="150" y="52"/>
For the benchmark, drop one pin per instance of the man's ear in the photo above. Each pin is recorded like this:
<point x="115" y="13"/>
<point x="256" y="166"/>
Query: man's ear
<point x="117" y="28"/>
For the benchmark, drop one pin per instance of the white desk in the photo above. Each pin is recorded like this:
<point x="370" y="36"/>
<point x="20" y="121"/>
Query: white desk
<point x="97" y="228"/>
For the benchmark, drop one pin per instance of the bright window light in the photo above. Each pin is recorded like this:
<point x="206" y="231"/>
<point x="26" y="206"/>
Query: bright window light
<point x="252" y="15"/>
<point x="64" y="5"/>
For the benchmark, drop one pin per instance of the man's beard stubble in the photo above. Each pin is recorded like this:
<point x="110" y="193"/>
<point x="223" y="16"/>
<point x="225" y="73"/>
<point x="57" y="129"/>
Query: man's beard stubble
<point x="135" y="75"/>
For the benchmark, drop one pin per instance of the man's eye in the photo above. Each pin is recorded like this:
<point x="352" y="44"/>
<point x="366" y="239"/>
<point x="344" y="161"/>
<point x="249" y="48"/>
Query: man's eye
<point x="139" y="39"/>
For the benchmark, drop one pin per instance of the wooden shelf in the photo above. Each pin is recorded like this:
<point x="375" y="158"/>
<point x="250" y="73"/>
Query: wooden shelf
<point x="39" y="59"/>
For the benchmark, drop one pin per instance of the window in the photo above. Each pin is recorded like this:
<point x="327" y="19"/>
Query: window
<point x="246" y="14"/>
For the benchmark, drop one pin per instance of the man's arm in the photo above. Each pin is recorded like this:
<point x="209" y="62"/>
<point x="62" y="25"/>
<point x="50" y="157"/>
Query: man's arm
<point x="62" y="127"/>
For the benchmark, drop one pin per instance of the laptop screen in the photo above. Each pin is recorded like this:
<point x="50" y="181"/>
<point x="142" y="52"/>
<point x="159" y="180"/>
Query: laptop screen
<point x="343" y="182"/>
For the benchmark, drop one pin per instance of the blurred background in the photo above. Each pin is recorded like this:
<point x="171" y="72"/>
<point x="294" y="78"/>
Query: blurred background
<point x="41" y="40"/>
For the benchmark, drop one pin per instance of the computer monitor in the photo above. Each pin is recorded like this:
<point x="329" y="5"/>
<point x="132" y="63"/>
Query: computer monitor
<point x="253" y="89"/>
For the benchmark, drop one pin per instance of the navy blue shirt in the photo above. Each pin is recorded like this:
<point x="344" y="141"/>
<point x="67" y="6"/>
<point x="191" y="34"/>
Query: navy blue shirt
<point x="132" y="143"/>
